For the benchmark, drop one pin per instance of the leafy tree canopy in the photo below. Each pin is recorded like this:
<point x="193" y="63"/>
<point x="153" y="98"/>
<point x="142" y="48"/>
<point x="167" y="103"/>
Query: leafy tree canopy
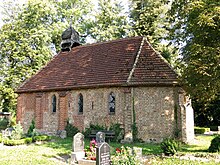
<point x="29" y="37"/>
<point x="109" y="21"/>
<point x="149" y="18"/>
<point x="196" y="28"/>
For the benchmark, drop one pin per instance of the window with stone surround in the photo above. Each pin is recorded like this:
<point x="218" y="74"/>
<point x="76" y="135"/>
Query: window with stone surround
<point x="80" y="104"/>
<point x="54" y="103"/>
<point x="111" y="103"/>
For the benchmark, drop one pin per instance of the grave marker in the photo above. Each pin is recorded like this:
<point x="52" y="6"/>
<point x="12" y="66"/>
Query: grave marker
<point x="103" y="154"/>
<point x="100" y="137"/>
<point x="78" y="147"/>
<point x="78" y="142"/>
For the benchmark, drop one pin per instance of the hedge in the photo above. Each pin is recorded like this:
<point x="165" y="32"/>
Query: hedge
<point x="41" y="138"/>
<point x="201" y="130"/>
<point x="9" y="142"/>
<point x="213" y="128"/>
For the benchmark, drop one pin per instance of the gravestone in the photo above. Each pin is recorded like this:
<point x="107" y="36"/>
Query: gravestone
<point x="100" y="137"/>
<point x="103" y="154"/>
<point x="78" y="142"/>
<point x="78" y="147"/>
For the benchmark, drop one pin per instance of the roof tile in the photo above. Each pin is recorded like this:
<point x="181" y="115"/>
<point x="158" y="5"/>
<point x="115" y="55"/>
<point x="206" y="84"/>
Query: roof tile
<point x="100" y="64"/>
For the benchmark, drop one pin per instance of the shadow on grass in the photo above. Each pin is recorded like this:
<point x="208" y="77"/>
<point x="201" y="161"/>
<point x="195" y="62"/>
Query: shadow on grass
<point x="64" y="146"/>
<point x="192" y="148"/>
<point x="59" y="157"/>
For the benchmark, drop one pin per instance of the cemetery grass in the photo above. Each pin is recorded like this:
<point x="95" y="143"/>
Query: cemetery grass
<point x="55" y="152"/>
<point x="58" y="152"/>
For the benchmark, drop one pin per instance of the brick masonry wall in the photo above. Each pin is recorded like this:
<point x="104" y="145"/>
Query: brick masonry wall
<point x="95" y="109"/>
<point x="50" y="118"/>
<point x="26" y="109"/>
<point x="154" y="109"/>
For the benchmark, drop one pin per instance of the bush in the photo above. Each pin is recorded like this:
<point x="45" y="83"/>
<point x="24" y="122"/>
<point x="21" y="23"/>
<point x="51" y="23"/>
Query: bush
<point x="201" y="130"/>
<point x="13" y="121"/>
<point x="215" y="144"/>
<point x="17" y="132"/>
<point x="0" y="137"/>
<point x="71" y="130"/>
<point x="41" y="138"/>
<point x="4" y="122"/>
<point x="119" y="132"/>
<point x="213" y="128"/>
<point x="93" y="127"/>
<point x="28" y="140"/>
<point x="31" y="130"/>
<point x="169" y="146"/>
<point x="10" y="142"/>
<point x="125" y="156"/>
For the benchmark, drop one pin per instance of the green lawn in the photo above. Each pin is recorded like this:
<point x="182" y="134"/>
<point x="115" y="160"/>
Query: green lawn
<point x="57" y="152"/>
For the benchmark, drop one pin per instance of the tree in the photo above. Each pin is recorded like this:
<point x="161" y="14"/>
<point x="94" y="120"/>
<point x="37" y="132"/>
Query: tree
<point x="110" y="21"/>
<point x="196" y="28"/>
<point x="27" y="37"/>
<point x="149" y="18"/>
<point x="207" y="114"/>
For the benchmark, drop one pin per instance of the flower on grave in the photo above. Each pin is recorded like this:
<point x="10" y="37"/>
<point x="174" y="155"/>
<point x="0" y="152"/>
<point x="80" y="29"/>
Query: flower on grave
<point x="118" y="150"/>
<point x="93" y="145"/>
<point x="124" y="155"/>
<point x="91" y="150"/>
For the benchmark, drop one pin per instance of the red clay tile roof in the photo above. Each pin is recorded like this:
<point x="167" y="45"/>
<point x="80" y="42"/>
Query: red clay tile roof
<point x="123" y="62"/>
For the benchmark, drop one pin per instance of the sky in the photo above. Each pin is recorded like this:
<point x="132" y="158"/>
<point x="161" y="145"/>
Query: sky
<point x="1" y="9"/>
<point x="124" y="3"/>
<point x="0" y="13"/>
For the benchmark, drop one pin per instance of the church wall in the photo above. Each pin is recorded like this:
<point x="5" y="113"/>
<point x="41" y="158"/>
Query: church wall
<point x="50" y="118"/>
<point x="154" y="109"/>
<point x="95" y="107"/>
<point x="26" y="109"/>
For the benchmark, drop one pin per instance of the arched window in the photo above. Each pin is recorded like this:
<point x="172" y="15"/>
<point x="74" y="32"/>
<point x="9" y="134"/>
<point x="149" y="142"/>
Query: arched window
<point x="54" y="103"/>
<point x="111" y="103"/>
<point x="80" y="104"/>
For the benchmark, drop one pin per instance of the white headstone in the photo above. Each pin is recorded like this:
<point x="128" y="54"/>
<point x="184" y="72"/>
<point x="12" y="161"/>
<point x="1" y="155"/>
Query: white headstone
<point x="78" y="147"/>
<point x="78" y="142"/>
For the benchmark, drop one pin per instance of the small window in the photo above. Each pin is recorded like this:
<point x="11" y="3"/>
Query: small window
<point x="54" y="103"/>
<point x="80" y="103"/>
<point x="111" y="103"/>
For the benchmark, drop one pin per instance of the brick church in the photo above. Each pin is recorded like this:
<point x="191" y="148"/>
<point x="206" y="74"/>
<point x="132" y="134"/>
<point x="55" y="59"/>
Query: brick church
<point x="106" y="83"/>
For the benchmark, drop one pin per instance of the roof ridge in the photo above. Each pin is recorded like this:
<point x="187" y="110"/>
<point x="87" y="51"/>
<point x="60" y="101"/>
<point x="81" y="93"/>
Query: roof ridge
<point x="136" y="60"/>
<point x="110" y="41"/>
